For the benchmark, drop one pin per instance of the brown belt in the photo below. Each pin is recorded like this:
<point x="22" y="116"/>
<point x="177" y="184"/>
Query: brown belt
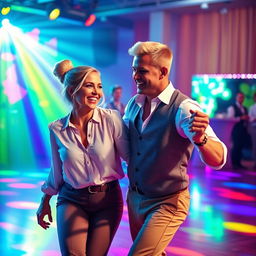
<point x="96" y="188"/>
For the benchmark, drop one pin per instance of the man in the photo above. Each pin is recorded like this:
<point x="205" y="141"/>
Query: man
<point x="115" y="102"/>
<point x="239" y="135"/>
<point x="252" y="116"/>
<point x="164" y="126"/>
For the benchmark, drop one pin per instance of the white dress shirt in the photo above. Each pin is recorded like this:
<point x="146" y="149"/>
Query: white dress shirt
<point x="252" y="114"/>
<point x="82" y="166"/>
<point x="182" y="117"/>
<point x="231" y="112"/>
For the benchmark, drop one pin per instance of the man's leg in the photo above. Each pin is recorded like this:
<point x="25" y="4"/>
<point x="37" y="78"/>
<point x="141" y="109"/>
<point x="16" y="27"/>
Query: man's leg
<point x="162" y="220"/>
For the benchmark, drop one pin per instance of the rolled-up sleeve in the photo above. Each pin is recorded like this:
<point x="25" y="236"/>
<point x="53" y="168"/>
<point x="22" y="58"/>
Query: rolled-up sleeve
<point x="182" y="125"/>
<point x="55" y="177"/>
<point x="121" y="136"/>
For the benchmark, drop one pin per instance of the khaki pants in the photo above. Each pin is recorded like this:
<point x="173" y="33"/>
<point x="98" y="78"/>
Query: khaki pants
<point x="154" y="221"/>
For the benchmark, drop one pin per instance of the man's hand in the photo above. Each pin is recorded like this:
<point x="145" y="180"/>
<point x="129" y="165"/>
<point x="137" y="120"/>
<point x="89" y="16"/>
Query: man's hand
<point x="198" y="124"/>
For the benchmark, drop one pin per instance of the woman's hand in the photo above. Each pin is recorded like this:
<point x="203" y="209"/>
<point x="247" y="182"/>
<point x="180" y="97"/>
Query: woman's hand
<point x="44" y="209"/>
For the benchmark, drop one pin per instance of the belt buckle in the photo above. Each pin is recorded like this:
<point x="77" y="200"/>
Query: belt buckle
<point x="90" y="191"/>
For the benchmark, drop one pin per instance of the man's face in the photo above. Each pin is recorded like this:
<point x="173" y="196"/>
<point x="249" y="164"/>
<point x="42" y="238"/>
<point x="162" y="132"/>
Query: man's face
<point x="117" y="94"/>
<point x="240" y="98"/>
<point x="146" y="76"/>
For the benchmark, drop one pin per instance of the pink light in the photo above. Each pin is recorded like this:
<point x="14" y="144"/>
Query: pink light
<point x="12" y="228"/>
<point x="90" y="20"/>
<point x="8" y="180"/>
<point x="228" y="193"/>
<point x="22" y="205"/>
<point x="182" y="251"/>
<point x="7" y="56"/>
<point x="51" y="253"/>
<point x="231" y="76"/>
<point x="22" y="185"/>
<point x="34" y="34"/>
<point x="11" y="88"/>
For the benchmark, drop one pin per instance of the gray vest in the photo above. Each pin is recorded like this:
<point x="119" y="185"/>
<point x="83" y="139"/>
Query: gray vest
<point x="159" y="155"/>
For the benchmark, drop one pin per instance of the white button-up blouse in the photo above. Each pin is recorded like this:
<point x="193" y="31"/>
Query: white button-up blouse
<point x="98" y="163"/>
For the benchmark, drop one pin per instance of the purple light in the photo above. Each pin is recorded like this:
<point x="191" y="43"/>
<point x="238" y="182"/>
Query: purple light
<point x="8" y="193"/>
<point x="237" y="209"/>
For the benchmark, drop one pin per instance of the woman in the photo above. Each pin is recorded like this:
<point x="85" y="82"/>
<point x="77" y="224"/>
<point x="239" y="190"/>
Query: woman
<point x="86" y="149"/>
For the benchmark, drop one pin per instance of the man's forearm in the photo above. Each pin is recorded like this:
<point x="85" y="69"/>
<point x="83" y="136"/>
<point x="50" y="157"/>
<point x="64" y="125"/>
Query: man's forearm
<point x="212" y="153"/>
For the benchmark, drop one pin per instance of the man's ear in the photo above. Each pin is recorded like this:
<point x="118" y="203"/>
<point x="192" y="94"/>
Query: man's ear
<point x="164" y="72"/>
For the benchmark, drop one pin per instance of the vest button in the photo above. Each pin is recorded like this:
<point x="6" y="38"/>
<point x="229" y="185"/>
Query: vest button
<point x="140" y="137"/>
<point x="136" y="169"/>
<point x="138" y="153"/>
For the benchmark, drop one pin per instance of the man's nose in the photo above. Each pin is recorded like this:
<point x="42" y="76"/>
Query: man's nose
<point x="135" y="75"/>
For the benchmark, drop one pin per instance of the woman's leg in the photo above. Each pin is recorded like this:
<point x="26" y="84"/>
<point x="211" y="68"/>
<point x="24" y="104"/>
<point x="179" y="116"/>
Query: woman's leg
<point x="72" y="226"/>
<point x="104" y="223"/>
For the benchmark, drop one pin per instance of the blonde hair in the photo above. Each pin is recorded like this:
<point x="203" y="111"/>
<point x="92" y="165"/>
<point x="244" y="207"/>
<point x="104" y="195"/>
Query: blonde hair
<point x="72" y="77"/>
<point x="161" y="54"/>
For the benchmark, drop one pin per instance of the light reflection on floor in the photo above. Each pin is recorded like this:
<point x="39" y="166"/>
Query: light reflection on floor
<point x="221" y="221"/>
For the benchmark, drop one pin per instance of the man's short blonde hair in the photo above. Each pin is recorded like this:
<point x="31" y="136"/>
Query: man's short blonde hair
<point x="161" y="54"/>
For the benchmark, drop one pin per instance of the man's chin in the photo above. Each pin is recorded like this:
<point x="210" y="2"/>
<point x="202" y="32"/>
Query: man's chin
<point x="139" y="91"/>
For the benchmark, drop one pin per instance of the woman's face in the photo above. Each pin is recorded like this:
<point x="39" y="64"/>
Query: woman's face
<point x="90" y="93"/>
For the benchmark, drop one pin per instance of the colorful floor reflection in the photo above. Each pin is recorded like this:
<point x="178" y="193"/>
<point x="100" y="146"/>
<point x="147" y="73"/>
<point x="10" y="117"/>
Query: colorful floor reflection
<point x="221" y="221"/>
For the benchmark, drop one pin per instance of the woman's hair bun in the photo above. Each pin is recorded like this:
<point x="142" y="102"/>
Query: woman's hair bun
<point x="61" y="68"/>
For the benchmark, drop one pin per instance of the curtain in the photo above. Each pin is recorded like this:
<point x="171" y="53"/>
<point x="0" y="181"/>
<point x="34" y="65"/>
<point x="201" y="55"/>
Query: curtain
<point x="215" y="43"/>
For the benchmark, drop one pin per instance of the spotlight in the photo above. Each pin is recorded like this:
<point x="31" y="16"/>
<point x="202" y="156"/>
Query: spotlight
<point x="5" y="10"/>
<point x="204" y="5"/>
<point x="90" y="20"/>
<point x="53" y="11"/>
<point x="5" y="23"/>
<point x="54" y="14"/>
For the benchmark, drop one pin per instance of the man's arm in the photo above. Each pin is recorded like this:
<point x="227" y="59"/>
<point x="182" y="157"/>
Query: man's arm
<point x="211" y="151"/>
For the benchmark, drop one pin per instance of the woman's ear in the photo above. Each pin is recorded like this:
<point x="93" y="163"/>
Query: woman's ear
<point x="70" y="91"/>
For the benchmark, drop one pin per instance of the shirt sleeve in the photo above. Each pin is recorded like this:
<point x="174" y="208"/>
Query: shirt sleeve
<point x="55" y="178"/>
<point x="125" y="117"/>
<point x="121" y="136"/>
<point x="182" y="125"/>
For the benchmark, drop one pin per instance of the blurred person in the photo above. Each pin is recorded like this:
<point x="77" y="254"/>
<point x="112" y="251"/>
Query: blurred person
<point x="86" y="148"/>
<point x="164" y="126"/>
<point x="239" y="133"/>
<point x="252" y="119"/>
<point x="115" y="101"/>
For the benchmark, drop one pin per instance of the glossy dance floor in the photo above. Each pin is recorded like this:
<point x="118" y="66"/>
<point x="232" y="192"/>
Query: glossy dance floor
<point x="222" y="218"/>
